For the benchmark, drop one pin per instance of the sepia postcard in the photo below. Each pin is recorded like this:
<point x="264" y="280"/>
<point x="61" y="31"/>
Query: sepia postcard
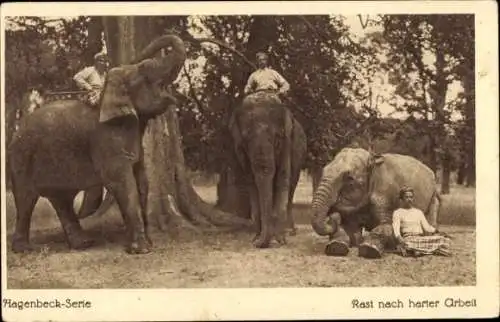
<point x="250" y="160"/>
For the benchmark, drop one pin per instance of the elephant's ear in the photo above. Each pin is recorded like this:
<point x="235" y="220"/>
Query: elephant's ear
<point x="115" y="101"/>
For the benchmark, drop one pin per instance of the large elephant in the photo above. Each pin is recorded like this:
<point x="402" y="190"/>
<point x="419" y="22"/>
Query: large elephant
<point x="360" y="189"/>
<point x="67" y="146"/>
<point x="270" y="145"/>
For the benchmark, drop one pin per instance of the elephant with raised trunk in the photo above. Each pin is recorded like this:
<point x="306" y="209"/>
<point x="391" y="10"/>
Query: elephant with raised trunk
<point x="360" y="189"/>
<point x="67" y="146"/>
<point x="270" y="146"/>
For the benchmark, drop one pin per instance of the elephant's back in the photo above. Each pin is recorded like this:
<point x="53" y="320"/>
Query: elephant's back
<point x="409" y="165"/>
<point x="409" y="171"/>
<point x="54" y="141"/>
<point x="63" y="115"/>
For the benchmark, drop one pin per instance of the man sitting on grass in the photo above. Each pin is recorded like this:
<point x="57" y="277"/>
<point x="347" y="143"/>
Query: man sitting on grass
<point x="415" y="236"/>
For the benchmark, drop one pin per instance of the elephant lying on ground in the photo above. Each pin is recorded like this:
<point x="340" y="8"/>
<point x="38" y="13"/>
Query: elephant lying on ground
<point x="357" y="183"/>
<point x="270" y="145"/>
<point x="67" y="146"/>
<point x="353" y="226"/>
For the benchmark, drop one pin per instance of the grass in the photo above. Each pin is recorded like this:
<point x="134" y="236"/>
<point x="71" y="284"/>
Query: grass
<point x="229" y="260"/>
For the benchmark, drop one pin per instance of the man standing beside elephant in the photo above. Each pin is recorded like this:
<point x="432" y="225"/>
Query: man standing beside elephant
<point x="266" y="80"/>
<point x="92" y="78"/>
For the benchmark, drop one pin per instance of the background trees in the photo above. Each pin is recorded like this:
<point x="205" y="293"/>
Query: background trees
<point x="344" y="86"/>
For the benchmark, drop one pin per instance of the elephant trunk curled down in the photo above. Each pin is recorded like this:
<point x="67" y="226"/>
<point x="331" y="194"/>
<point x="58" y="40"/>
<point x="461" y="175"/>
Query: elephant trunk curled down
<point x="66" y="147"/>
<point x="359" y="183"/>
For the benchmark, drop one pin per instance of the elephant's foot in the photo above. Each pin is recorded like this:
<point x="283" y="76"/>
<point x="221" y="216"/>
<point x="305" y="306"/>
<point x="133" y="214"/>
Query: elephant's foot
<point x="337" y="248"/>
<point x="21" y="246"/>
<point x="292" y="231"/>
<point x="149" y="241"/>
<point x="281" y="239"/>
<point x="261" y="242"/>
<point x="141" y="246"/>
<point x="80" y="241"/>
<point x="368" y="250"/>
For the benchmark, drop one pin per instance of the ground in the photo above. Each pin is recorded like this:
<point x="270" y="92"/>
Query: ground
<point x="191" y="260"/>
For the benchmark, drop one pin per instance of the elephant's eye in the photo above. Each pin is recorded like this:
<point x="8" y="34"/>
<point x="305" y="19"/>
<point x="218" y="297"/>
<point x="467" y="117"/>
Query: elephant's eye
<point x="348" y="178"/>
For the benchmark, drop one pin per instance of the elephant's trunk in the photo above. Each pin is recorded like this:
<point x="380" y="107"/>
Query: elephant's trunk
<point x="324" y="197"/>
<point x="348" y="209"/>
<point x="164" y="69"/>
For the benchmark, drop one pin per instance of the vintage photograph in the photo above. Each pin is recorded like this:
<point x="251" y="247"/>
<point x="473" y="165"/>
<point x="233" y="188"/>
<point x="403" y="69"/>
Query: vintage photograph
<point x="319" y="141"/>
<point x="240" y="151"/>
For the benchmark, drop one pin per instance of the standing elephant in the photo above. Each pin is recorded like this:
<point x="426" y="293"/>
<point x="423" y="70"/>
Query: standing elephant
<point x="270" y="145"/>
<point x="68" y="146"/>
<point x="359" y="184"/>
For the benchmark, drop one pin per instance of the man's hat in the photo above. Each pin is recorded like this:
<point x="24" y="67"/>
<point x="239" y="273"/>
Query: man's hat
<point x="100" y="56"/>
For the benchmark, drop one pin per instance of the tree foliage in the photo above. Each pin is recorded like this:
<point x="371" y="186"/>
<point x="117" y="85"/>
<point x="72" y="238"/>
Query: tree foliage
<point x="335" y="80"/>
<point x="427" y="55"/>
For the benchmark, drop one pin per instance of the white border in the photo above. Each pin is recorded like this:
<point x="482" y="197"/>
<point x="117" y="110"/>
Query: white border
<point x="296" y="303"/>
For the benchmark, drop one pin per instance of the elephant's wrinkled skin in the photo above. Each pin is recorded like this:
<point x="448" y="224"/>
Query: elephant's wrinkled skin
<point x="66" y="146"/>
<point x="358" y="183"/>
<point x="270" y="145"/>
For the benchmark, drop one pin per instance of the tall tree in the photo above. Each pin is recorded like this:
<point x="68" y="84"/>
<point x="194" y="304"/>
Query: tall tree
<point x="423" y="63"/>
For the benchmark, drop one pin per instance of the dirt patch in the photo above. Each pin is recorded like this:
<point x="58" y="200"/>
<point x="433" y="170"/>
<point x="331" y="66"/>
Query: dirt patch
<point x="189" y="260"/>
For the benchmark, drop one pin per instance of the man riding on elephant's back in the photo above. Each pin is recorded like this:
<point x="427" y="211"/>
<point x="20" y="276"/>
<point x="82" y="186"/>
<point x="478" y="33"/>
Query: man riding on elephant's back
<point x="92" y="78"/>
<point x="266" y="81"/>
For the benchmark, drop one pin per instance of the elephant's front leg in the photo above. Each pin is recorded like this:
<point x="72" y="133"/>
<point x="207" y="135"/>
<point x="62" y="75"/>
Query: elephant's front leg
<point x="339" y="241"/>
<point x="142" y="188"/>
<point x="353" y="230"/>
<point x="263" y="177"/>
<point x="374" y="244"/>
<point x="255" y="210"/>
<point x="282" y="191"/>
<point x="121" y="182"/>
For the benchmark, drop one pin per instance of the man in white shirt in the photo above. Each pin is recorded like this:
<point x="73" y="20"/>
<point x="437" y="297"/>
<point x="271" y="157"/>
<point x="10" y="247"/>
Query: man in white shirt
<point x="413" y="232"/>
<point x="92" y="78"/>
<point x="266" y="79"/>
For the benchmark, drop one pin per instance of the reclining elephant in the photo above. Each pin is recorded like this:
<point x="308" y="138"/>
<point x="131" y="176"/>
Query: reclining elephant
<point x="66" y="147"/>
<point x="270" y="144"/>
<point x="357" y="183"/>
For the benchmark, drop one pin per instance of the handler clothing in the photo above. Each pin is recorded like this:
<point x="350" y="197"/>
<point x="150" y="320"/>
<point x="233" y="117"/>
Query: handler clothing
<point x="91" y="80"/>
<point x="428" y="245"/>
<point x="266" y="79"/>
<point x="410" y="222"/>
<point x="412" y="225"/>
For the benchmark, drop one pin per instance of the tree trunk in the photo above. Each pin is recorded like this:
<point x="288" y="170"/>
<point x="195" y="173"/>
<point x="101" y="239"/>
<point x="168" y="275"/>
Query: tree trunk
<point x="470" y="145"/>
<point x="445" y="180"/>
<point x="172" y="201"/>
<point x="433" y="162"/>
<point x="94" y="40"/>
<point x="461" y="173"/>
<point x="232" y="193"/>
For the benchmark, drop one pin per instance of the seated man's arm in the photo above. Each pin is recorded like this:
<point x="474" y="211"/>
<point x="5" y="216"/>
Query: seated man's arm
<point x="250" y="84"/>
<point x="396" y="225"/>
<point x="81" y="79"/>
<point x="281" y="82"/>
<point x="425" y="224"/>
